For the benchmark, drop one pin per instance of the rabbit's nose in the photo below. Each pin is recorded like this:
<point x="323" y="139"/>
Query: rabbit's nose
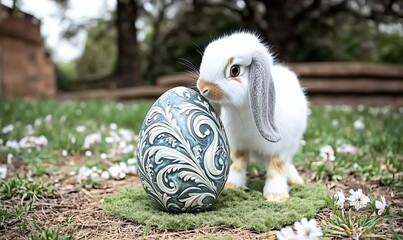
<point x="205" y="91"/>
<point x="210" y="90"/>
<point x="203" y="87"/>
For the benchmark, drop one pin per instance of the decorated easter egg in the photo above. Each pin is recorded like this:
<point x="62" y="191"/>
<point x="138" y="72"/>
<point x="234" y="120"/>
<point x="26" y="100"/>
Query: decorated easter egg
<point x="183" y="152"/>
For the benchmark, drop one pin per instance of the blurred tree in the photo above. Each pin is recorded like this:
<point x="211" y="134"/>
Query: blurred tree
<point x="350" y="41"/>
<point x="390" y="47"/>
<point x="284" y="22"/>
<point x="99" y="56"/>
<point x="169" y="31"/>
<point x="128" y="64"/>
<point x="65" y="74"/>
<point x="306" y="30"/>
<point x="178" y="33"/>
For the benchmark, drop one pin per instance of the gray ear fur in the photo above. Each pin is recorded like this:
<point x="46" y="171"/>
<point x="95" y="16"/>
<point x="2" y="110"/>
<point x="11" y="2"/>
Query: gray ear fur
<point x="262" y="97"/>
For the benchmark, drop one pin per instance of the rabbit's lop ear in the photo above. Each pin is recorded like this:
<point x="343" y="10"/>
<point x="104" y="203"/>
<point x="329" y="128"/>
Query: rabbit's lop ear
<point x="262" y="97"/>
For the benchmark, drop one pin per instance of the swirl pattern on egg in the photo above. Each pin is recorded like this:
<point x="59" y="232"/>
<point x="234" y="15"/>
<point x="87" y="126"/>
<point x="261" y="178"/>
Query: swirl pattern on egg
<point x="183" y="152"/>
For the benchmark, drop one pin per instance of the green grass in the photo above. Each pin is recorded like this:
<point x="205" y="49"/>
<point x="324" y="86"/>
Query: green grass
<point x="235" y="208"/>
<point x="50" y="234"/>
<point x="17" y="195"/>
<point x="22" y="188"/>
<point x="58" y="121"/>
<point x="348" y="223"/>
<point x="380" y="154"/>
<point x="379" y="143"/>
<point x="379" y="157"/>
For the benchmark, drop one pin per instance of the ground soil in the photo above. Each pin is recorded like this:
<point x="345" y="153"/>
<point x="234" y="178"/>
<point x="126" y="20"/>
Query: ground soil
<point x="76" y="210"/>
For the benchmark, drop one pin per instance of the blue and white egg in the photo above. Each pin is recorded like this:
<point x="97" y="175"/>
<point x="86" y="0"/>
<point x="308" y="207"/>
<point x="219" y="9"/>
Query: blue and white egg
<point x="183" y="152"/>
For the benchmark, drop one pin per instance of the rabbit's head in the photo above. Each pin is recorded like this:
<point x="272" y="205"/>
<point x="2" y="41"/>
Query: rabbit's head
<point x="235" y="69"/>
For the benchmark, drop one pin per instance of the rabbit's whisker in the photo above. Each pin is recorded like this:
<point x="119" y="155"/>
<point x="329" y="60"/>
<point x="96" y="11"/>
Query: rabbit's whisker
<point x="188" y="64"/>
<point x="198" y="50"/>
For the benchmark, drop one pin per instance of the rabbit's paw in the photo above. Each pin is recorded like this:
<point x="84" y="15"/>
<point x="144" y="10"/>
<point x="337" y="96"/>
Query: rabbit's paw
<point x="296" y="180"/>
<point x="229" y="185"/>
<point x="236" y="179"/>
<point x="276" y="197"/>
<point x="293" y="177"/>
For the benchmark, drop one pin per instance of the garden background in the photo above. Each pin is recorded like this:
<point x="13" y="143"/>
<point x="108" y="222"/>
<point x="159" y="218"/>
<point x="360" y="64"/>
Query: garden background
<point x="69" y="125"/>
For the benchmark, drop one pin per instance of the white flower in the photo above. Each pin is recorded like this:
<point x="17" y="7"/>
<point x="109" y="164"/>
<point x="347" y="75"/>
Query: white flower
<point x="3" y="171"/>
<point x="41" y="141"/>
<point x="131" y="169"/>
<point x="113" y="126"/>
<point x="119" y="106"/>
<point x="126" y="134"/>
<point x="73" y="140"/>
<point x="121" y="175"/>
<point x="92" y="139"/>
<point x="94" y="175"/>
<point x="286" y="234"/>
<point x="346" y="108"/>
<point x="327" y="153"/>
<point x="80" y="129"/>
<point x="307" y="230"/>
<point x="64" y="153"/>
<point x="340" y="199"/>
<point x="122" y="144"/>
<point x="38" y="122"/>
<point x="131" y="161"/>
<point x="29" y="130"/>
<point x="48" y="118"/>
<point x="127" y="149"/>
<point x="360" y="108"/>
<point x="385" y="110"/>
<point x="117" y="172"/>
<point x="7" y="129"/>
<point x="103" y="156"/>
<point x="12" y="144"/>
<point x="27" y="142"/>
<point x="88" y="153"/>
<point x="358" y="199"/>
<point x="374" y="110"/>
<point x="381" y="205"/>
<point x="105" y="175"/>
<point x="335" y="122"/>
<point x="84" y="173"/>
<point x="346" y="148"/>
<point x="63" y="118"/>
<point x="10" y="157"/>
<point x="123" y="167"/>
<point x="109" y="140"/>
<point x="359" y="124"/>
<point x="1" y="141"/>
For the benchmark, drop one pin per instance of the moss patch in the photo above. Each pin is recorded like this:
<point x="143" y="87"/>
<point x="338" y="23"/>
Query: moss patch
<point x="234" y="208"/>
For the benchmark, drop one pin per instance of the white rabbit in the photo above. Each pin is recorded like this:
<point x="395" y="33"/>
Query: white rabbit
<point x="263" y="109"/>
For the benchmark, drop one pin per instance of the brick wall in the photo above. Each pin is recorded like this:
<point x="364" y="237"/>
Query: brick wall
<point x="26" y="70"/>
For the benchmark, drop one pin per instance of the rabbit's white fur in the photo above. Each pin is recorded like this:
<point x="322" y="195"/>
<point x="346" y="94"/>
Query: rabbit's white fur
<point x="290" y="108"/>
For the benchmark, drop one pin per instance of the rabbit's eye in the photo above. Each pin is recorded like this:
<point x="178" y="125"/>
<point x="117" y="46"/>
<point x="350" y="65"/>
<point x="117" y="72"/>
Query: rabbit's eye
<point x="235" y="71"/>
